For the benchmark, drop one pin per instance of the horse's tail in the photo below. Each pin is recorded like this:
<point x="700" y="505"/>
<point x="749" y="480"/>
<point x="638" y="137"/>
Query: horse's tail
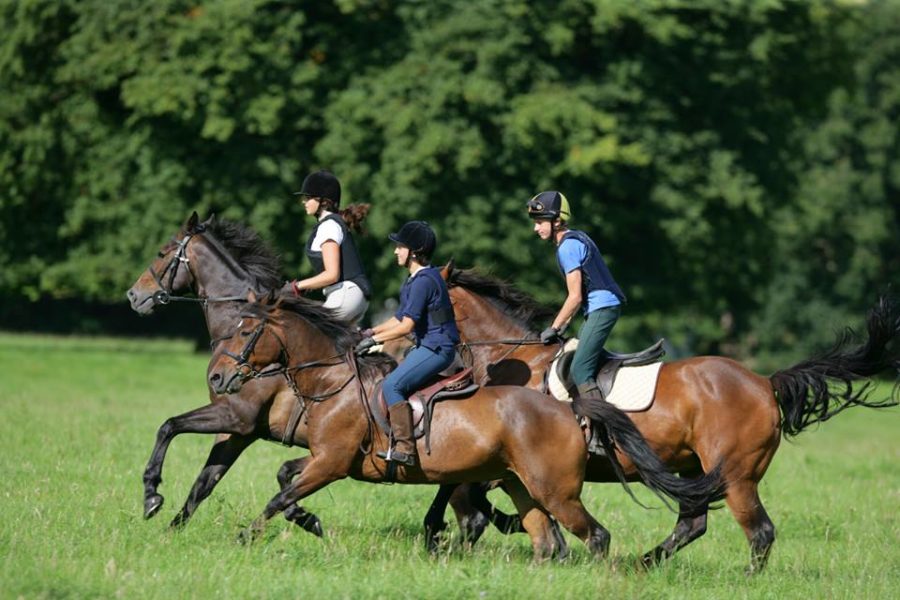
<point x="819" y="388"/>
<point x="618" y="430"/>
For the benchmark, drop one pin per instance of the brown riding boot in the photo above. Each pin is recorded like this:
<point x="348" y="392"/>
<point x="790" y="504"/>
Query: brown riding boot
<point x="404" y="450"/>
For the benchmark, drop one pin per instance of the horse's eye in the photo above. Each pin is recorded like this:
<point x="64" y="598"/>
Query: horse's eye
<point x="160" y="254"/>
<point x="246" y="333"/>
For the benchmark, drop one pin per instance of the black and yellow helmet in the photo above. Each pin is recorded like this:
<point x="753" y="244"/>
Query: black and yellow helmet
<point x="549" y="205"/>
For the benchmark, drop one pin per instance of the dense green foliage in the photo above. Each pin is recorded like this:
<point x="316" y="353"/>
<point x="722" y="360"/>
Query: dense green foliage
<point x="80" y="422"/>
<point x="737" y="162"/>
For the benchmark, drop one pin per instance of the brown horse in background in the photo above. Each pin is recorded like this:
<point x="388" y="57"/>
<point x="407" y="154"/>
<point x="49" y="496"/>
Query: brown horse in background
<point x="707" y="410"/>
<point x="502" y="432"/>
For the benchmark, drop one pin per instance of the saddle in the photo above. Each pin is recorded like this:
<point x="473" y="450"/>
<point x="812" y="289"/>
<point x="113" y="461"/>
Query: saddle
<point x="610" y="363"/>
<point x="445" y="386"/>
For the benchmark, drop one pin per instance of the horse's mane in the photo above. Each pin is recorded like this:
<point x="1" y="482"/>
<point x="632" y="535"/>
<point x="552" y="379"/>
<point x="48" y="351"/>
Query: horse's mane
<point x="323" y="320"/>
<point x="250" y="251"/>
<point x="515" y="303"/>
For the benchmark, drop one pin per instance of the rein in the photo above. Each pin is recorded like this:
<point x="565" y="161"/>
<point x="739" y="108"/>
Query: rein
<point x="246" y="371"/>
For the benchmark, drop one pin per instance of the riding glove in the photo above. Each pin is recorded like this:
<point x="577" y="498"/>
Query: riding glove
<point x="549" y="336"/>
<point x="364" y="345"/>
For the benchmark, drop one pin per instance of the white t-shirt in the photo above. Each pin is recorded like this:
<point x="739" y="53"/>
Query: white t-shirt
<point x="329" y="230"/>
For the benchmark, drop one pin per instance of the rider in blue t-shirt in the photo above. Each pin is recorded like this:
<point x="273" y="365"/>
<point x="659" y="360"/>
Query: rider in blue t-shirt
<point x="426" y="312"/>
<point x="589" y="283"/>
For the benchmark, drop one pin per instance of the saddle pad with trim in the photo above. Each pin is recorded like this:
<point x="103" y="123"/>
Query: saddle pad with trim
<point x="633" y="391"/>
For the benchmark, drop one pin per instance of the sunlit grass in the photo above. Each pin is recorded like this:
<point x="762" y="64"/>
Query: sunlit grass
<point x="80" y="416"/>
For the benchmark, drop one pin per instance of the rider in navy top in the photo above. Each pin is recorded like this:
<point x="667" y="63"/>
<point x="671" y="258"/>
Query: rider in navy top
<point x="426" y="312"/>
<point x="589" y="283"/>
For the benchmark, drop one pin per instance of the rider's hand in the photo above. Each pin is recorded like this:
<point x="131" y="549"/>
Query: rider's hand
<point x="364" y="345"/>
<point x="549" y="335"/>
<point x="290" y="289"/>
<point x="368" y="332"/>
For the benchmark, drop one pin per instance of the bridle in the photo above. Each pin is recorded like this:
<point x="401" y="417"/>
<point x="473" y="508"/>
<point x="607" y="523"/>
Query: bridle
<point x="166" y="293"/>
<point x="245" y="370"/>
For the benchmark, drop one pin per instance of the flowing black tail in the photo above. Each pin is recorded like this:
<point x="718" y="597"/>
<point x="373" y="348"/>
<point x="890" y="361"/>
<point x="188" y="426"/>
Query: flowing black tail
<point x="619" y="431"/>
<point x="817" y="389"/>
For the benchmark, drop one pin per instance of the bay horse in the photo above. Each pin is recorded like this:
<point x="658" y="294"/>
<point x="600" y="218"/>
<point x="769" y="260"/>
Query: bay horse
<point x="220" y="262"/>
<point x="707" y="410"/>
<point x="501" y="432"/>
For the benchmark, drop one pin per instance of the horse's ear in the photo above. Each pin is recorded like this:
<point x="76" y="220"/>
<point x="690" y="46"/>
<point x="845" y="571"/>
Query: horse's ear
<point x="192" y="221"/>
<point x="209" y="221"/>
<point x="447" y="271"/>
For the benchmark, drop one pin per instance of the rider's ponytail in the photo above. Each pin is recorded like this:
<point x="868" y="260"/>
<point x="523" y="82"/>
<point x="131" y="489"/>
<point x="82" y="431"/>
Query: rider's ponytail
<point x="354" y="215"/>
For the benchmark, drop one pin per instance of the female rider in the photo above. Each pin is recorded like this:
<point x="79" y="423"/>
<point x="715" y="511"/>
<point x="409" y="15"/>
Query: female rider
<point x="330" y="248"/>
<point x="425" y="311"/>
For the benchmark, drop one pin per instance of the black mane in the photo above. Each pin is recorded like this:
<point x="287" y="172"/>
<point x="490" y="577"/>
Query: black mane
<point x="322" y="319"/>
<point x="530" y="313"/>
<point x="250" y="251"/>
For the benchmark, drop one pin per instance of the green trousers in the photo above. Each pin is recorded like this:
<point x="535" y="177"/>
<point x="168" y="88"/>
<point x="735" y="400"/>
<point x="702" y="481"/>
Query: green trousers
<point x="591" y="337"/>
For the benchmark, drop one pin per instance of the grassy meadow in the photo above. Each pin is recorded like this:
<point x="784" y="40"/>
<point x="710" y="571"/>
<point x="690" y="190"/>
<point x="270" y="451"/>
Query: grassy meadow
<point x="79" y="417"/>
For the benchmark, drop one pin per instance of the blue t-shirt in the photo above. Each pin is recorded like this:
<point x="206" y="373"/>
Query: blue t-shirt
<point x="572" y="253"/>
<point x="424" y="292"/>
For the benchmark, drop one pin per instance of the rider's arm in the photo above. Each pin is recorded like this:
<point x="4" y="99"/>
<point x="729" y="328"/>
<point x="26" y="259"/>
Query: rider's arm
<point x="393" y="329"/>
<point x="331" y="255"/>
<point x="573" y="300"/>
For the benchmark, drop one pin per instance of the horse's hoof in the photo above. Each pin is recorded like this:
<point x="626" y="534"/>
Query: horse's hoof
<point x="152" y="504"/>
<point x="305" y="520"/>
<point x="246" y="536"/>
<point x="178" y="523"/>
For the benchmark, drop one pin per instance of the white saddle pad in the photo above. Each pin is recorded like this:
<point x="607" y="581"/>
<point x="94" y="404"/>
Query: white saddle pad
<point x="633" y="389"/>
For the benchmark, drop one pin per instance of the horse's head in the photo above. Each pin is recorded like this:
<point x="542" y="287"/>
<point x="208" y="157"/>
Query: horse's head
<point x="170" y="272"/>
<point x="257" y="343"/>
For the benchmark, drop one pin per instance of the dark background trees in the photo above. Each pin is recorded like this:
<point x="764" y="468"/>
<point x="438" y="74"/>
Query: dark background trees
<point x="737" y="163"/>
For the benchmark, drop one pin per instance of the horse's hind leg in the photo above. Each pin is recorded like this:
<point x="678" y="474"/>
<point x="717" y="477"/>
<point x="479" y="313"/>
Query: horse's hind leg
<point x="546" y="540"/>
<point x="743" y="500"/>
<point x="224" y="452"/>
<point x="297" y="514"/>
<point x="690" y="526"/>
<point x="474" y="512"/>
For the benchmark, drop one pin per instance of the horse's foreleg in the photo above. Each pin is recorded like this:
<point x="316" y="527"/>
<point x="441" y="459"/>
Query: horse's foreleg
<point x="212" y="418"/>
<point x="225" y="451"/>
<point x="434" y="519"/>
<point x="318" y="472"/>
<point x="295" y="513"/>
<point x="690" y="526"/>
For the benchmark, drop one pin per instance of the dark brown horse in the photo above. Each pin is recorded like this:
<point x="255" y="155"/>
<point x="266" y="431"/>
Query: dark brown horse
<point x="707" y="410"/>
<point x="219" y="262"/>
<point x="501" y="432"/>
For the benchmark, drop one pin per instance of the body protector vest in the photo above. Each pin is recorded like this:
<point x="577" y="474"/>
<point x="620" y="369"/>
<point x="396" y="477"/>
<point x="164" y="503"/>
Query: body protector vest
<point x="595" y="274"/>
<point x="351" y="265"/>
<point x="438" y="329"/>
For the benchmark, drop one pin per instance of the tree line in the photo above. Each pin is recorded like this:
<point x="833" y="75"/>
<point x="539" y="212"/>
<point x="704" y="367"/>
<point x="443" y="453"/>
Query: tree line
<point x="738" y="163"/>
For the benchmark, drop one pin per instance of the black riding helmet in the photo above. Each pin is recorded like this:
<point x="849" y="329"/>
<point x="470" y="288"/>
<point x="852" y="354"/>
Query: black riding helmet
<point x="418" y="236"/>
<point x="322" y="184"/>
<point x="549" y="205"/>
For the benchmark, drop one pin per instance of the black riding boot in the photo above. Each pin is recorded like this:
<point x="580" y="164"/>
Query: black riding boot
<point x="589" y="392"/>
<point x="404" y="450"/>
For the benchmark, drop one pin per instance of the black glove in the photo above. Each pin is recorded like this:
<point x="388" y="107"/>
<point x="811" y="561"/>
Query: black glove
<point x="364" y="344"/>
<point x="549" y="335"/>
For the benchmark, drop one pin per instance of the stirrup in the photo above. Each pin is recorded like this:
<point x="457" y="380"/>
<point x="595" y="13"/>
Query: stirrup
<point x="398" y="457"/>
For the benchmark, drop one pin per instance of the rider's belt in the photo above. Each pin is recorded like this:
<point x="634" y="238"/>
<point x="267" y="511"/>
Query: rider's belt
<point x="442" y="315"/>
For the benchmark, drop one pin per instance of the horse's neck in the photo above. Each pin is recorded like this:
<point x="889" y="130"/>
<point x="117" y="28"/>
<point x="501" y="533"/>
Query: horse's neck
<point x="492" y="324"/>
<point x="218" y="275"/>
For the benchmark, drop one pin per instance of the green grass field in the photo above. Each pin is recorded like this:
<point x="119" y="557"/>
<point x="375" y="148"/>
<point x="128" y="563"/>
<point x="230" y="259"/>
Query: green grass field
<point x="80" y="417"/>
